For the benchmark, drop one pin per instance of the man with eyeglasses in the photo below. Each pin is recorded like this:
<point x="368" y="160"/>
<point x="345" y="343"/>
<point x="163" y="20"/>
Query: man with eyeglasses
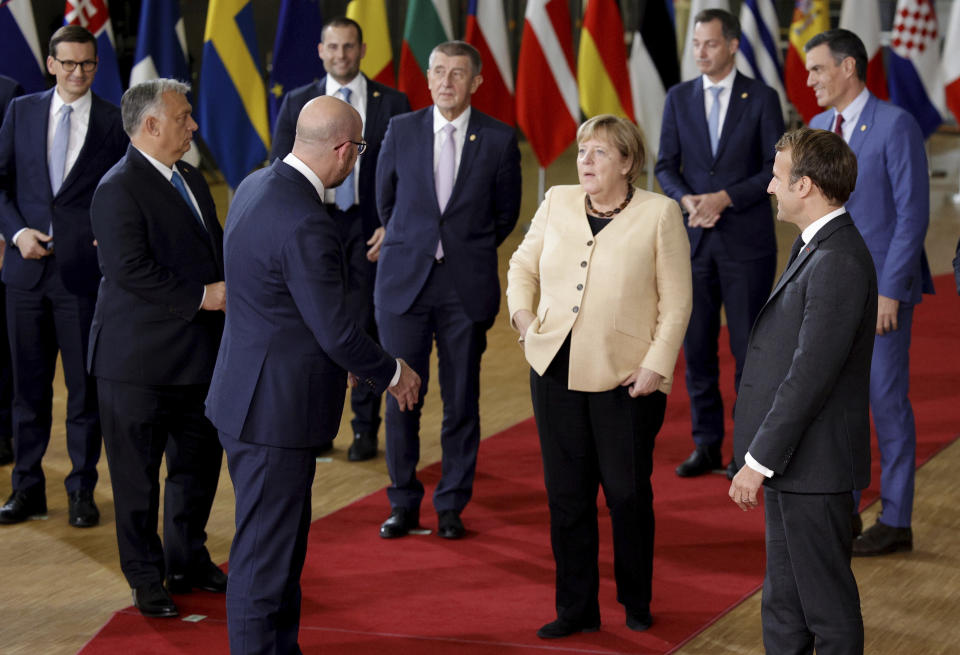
<point x="54" y="148"/>
<point x="448" y="192"/>
<point x="353" y="204"/>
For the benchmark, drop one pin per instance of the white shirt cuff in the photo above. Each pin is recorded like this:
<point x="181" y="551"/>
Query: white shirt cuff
<point x="13" y="241"/>
<point x="203" y="297"/>
<point x="396" y="376"/>
<point x="757" y="466"/>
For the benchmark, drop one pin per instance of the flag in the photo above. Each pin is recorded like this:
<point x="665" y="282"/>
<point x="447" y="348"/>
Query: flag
<point x="232" y="99"/>
<point x="759" y="54"/>
<point x="810" y="17"/>
<point x="602" y="62"/>
<point x="428" y="24"/>
<point x="688" y="65"/>
<point x="371" y="15"/>
<point x="487" y="32"/>
<point x="19" y="46"/>
<point x="547" y="102"/>
<point x="660" y="40"/>
<point x="914" y="75"/>
<point x="95" y="16"/>
<point x="648" y="94"/>
<point x="295" y="60"/>
<point x="951" y="62"/>
<point x="863" y="19"/>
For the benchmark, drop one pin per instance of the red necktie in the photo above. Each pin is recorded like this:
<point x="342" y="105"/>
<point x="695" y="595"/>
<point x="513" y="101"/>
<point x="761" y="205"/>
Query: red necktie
<point x="838" y="128"/>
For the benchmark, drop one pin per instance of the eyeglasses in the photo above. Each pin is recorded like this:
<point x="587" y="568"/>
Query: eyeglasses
<point x="69" y="65"/>
<point x="361" y="146"/>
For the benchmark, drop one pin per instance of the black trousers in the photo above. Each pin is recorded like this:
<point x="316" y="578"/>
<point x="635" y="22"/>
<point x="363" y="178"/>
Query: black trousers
<point x="140" y="424"/>
<point x="588" y="440"/>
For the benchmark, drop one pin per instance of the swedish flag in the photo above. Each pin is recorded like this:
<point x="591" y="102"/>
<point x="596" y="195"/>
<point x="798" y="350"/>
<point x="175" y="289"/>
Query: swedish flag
<point x="232" y="98"/>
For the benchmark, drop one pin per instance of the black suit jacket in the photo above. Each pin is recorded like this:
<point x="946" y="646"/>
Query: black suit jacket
<point x="803" y="405"/>
<point x="148" y="327"/>
<point x="26" y="199"/>
<point x="383" y="103"/>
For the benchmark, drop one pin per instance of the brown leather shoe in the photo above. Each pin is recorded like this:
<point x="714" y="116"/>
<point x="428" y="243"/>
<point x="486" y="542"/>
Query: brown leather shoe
<point x="880" y="539"/>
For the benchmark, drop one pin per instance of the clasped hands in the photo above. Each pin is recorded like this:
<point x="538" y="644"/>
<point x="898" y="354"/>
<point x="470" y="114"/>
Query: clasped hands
<point x="704" y="209"/>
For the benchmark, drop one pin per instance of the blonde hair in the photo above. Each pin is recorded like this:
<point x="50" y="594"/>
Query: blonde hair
<point x="622" y="133"/>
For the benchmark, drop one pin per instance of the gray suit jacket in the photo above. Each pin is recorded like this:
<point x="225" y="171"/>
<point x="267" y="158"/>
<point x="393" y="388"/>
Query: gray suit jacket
<point x="803" y="405"/>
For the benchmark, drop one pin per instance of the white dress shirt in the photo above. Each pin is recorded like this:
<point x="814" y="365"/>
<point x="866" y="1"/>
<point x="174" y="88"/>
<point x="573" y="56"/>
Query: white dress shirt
<point x="724" y="98"/>
<point x="358" y="100"/>
<point x="459" y="136"/>
<point x="79" y="121"/>
<point x="851" y="114"/>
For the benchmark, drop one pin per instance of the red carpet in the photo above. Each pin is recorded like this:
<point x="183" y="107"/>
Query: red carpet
<point x="489" y="592"/>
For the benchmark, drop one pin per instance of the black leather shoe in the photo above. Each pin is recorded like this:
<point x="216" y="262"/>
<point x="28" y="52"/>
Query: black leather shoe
<point x="449" y="525"/>
<point x="6" y="450"/>
<point x="400" y="523"/>
<point x="705" y="459"/>
<point x="732" y="470"/>
<point x="208" y="577"/>
<point x="83" y="511"/>
<point x="364" y="447"/>
<point x="23" y="505"/>
<point x="153" y="601"/>
<point x="856" y="525"/>
<point x="563" y="628"/>
<point x="880" y="539"/>
<point x="639" y="621"/>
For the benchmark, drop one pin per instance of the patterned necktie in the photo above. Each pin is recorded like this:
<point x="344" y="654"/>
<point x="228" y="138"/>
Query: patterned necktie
<point x="344" y="194"/>
<point x="182" y="188"/>
<point x="713" y="120"/>
<point x="837" y="128"/>
<point x="58" y="153"/>
<point x="446" y="172"/>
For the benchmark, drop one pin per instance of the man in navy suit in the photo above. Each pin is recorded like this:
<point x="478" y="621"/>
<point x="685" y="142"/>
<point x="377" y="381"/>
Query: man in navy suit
<point x="278" y="386"/>
<point x="716" y="154"/>
<point x="891" y="208"/>
<point x="153" y="342"/>
<point x="352" y="205"/>
<point x="54" y="148"/>
<point x="448" y="192"/>
<point x="9" y="89"/>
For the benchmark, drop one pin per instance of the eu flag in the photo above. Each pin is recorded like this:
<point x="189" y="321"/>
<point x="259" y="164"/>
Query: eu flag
<point x="295" y="59"/>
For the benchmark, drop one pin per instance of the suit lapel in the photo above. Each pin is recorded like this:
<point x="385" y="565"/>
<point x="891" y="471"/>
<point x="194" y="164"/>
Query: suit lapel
<point x="205" y="214"/>
<point x="738" y="100"/>
<point x="472" y="141"/>
<point x="426" y="138"/>
<point x="41" y="116"/>
<point x="864" y="123"/>
<point x="699" y="118"/>
<point x="96" y="131"/>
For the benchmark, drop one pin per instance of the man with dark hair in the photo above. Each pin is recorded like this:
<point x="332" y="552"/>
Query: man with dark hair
<point x="54" y="148"/>
<point x="352" y="205"/>
<point x="891" y="208"/>
<point x="802" y="427"/>
<point x="438" y="273"/>
<point x="716" y="152"/>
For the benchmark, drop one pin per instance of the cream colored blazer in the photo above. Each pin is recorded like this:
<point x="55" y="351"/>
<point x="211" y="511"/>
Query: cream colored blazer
<point x="624" y="294"/>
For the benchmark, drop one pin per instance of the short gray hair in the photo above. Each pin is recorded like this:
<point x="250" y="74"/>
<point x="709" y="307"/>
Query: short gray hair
<point x="458" y="49"/>
<point x="146" y="98"/>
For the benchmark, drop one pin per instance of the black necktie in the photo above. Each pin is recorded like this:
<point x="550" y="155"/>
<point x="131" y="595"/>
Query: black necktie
<point x="797" y="246"/>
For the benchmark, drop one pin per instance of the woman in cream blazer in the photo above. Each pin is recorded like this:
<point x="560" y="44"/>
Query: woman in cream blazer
<point x="600" y="291"/>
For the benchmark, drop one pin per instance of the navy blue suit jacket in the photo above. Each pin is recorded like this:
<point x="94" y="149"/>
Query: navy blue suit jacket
<point x="148" y="327"/>
<point x="482" y="210"/>
<point x="9" y="89"/>
<point x="280" y="375"/>
<point x="383" y="103"/>
<point x="26" y="199"/>
<point x="742" y="166"/>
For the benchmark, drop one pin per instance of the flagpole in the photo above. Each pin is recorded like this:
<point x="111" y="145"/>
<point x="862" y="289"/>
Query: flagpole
<point x="541" y="183"/>
<point x="649" y="173"/>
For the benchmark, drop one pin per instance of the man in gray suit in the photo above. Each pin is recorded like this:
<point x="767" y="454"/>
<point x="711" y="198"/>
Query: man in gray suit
<point x="802" y="424"/>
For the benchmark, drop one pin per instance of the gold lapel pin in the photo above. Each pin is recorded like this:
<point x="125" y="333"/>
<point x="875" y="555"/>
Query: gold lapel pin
<point x="376" y="94"/>
<point x="863" y="128"/>
<point x="744" y="95"/>
<point x="473" y="137"/>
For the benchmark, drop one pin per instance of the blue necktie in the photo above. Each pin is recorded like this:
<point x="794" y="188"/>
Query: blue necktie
<point x="344" y="193"/>
<point x="58" y="153"/>
<point x="182" y="188"/>
<point x="713" y="120"/>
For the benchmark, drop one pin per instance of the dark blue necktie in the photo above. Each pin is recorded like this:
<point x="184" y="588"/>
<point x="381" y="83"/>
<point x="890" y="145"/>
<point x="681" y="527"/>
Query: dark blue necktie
<point x="182" y="188"/>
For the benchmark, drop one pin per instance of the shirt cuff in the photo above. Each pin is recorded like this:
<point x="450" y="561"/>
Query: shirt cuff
<point x="13" y="241"/>
<point x="396" y="376"/>
<point x="757" y="466"/>
<point x="203" y="297"/>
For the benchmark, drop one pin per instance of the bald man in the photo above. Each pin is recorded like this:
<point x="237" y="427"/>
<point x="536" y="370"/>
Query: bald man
<point x="289" y="326"/>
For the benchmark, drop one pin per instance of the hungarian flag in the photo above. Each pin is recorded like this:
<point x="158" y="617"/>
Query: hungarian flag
<point x="371" y="15"/>
<point x="602" y="62"/>
<point x="428" y="24"/>
<point x="487" y="32"/>
<point x="547" y="103"/>
<point x="951" y="62"/>
<point x="95" y="16"/>
<point x="863" y="19"/>
<point x="810" y="17"/>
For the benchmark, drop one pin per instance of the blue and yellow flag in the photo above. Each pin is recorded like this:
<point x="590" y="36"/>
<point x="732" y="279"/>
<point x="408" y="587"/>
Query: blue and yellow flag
<point x="232" y="98"/>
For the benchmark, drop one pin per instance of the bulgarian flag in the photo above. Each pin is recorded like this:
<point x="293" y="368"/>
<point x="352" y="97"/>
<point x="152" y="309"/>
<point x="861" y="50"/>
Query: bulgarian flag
<point x="602" y="62"/>
<point x="371" y="15"/>
<point x="810" y="17"/>
<point x="428" y="24"/>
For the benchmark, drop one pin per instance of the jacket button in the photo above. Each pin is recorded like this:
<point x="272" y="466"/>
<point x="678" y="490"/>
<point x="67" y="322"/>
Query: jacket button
<point x="583" y="264"/>
<point x="590" y="242"/>
<point x="575" y="309"/>
<point x="579" y="287"/>
<point x="711" y="172"/>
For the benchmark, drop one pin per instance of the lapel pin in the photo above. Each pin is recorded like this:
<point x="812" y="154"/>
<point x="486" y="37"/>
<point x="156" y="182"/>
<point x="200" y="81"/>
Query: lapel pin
<point x="473" y="137"/>
<point x="744" y="95"/>
<point x="376" y="94"/>
<point x="863" y="128"/>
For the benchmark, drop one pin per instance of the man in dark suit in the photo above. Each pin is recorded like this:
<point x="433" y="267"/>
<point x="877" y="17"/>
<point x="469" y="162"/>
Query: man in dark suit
<point x="716" y="153"/>
<point x="54" y="148"/>
<point x="353" y="204"/>
<point x="891" y="207"/>
<point x="802" y="425"/>
<point x="9" y="89"/>
<point x="437" y="276"/>
<point x="153" y="342"/>
<point x="277" y="390"/>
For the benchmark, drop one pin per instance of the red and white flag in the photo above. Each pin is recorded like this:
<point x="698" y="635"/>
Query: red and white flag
<point x="487" y="32"/>
<point x="951" y="62"/>
<point x="548" y="108"/>
<point x="863" y="19"/>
